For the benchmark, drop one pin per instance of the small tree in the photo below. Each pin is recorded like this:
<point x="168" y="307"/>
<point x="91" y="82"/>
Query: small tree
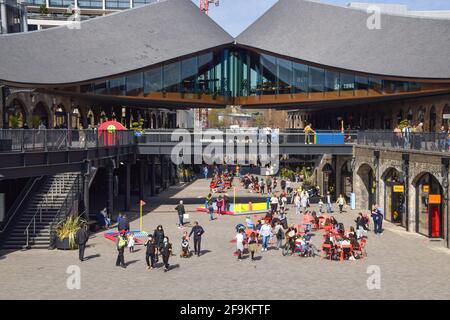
<point x="43" y="9"/>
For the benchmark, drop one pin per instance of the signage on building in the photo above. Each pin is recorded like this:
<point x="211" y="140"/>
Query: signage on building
<point x="434" y="199"/>
<point x="399" y="189"/>
<point x="446" y="116"/>
<point x="426" y="189"/>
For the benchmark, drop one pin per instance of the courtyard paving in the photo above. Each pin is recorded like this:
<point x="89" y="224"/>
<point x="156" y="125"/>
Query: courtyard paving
<point x="411" y="267"/>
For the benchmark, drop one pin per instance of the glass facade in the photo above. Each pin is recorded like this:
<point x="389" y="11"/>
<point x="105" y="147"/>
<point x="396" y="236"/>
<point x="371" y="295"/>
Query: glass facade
<point x="90" y="4"/>
<point x="248" y="76"/>
<point x="117" y="4"/>
<point x="61" y="3"/>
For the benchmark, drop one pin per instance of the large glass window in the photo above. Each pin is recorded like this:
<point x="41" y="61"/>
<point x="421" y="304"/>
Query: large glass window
<point x="414" y="86"/>
<point x="300" y="78"/>
<point x="139" y="3"/>
<point x="316" y="80"/>
<point x="375" y="85"/>
<point x="284" y="76"/>
<point x="90" y="4"/>
<point x="347" y="84"/>
<point x="135" y="84"/>
<point x="189" y="71"/>
<point x="117" y="86"/>
<point x="331" y="81"/>
<point x="206" y="79"/>
<point x="171" y="77"/>
<point x="61" y="3"/>
<point x="117" y="4"/>
<point x="153" y="80"/>
<point x="100" y="87"/>
<point x="269" y="74"/>
<point x="361" y="85"/>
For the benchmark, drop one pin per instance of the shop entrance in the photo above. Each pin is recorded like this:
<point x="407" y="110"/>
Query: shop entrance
<point x="429" y="207"/>
<point x="394" y="205"/>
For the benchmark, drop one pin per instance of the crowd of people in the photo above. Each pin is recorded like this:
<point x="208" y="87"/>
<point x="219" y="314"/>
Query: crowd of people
<point x="157" y="244"/>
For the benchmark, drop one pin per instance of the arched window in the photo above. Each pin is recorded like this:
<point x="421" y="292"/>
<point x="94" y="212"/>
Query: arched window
<point x="421" y="114"/>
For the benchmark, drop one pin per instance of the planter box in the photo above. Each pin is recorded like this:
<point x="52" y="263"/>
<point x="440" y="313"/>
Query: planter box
<point x="63" y="244"/>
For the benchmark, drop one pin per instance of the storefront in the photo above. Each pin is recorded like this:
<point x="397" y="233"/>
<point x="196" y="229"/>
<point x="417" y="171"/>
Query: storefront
<point x="429" y="207"/>
<point x="394" y="205"/>
<point x="329" y="184"/>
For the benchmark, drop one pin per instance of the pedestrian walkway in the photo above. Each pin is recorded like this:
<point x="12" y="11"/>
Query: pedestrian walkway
<point x="411" y="266"/>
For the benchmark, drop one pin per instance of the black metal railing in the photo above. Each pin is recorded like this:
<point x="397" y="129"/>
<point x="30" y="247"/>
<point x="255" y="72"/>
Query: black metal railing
<point x="23" y="140"/>
<point x="248" y="137"/>
<point x="426" y="141"/>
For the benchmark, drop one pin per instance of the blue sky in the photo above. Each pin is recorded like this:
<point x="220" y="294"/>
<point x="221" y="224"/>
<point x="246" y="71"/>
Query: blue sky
<point x="236" y="15"/>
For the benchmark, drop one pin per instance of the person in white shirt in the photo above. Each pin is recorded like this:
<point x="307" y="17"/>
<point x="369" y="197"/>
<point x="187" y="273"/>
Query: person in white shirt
<point x="297" y="203"/>
<point x="240" y="244"/>
<point x="304" y="201"/>
<point x="274" y="204"/>
<point x="265" y="232"/>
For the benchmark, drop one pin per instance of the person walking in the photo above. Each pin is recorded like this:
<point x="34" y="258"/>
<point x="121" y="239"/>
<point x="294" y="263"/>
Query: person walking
<point x="181" y="211"/>
<point x="377" y="216"/>
<point x="265" y="232"/>
<point x="123" y="225"/>
<point x="329" y="205"/>
<point x="82" y="238"/>
<point x="150" y="253"/>
<point x="297" y="203"/>
<point x="304" y="199"/>
<point x="253" y="245"/>
<point x="211" y="210"/>
<point x="166" y="251"/>
<point x="205" y="172"/>
<point x="269" y="185"/>
<point x="341" y="203"/>
<point x="158" y="237"/>
<point x="121" y="244"/>
<point x="197" y="231"/>
<point x="240" y="243"/>
<point x="279" y="232"/>
<point x="274" y="204"/>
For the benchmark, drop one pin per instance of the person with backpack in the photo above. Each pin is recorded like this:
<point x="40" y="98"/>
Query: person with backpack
<point x="279" y="232"/>
<point x="121" y="244"/>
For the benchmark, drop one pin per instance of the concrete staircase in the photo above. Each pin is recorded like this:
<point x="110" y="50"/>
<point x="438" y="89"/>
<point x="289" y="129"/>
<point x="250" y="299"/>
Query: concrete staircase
<point x="39" y="212"/>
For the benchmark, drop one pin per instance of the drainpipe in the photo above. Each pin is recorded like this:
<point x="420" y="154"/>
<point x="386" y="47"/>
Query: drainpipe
<point x="405" y="158"/>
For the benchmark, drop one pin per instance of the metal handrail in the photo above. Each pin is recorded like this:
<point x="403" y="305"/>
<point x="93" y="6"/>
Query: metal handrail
<point x="39" y="210"/>
<point x="20" y="198"/>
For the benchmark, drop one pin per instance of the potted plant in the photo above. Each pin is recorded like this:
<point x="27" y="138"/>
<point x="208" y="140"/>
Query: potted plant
<point x="66" y="231"/>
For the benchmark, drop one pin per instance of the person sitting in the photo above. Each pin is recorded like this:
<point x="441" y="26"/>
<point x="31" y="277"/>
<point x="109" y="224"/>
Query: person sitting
<point x="258" y="225"/>
<point x="290" y="237"/>
<point x="347" y="251"/>
<point x="334" y="222"/>
<point x="185" y="251"/>
<point x="329" y="241"/>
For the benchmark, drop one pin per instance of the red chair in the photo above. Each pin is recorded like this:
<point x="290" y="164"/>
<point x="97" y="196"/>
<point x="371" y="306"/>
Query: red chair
<point x="328" y="228"/>
<point x="327" y="250"/>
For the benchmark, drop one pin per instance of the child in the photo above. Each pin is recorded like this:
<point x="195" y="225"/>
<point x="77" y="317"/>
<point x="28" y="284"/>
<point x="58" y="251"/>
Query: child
<point x="131" y="242"/>
<point x="320" y="205"/>
<point x="185" y="252"/>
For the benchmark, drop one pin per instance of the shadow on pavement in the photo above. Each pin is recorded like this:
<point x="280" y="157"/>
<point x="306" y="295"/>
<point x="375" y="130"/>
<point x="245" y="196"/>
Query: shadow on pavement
<point x="92" y="256"/>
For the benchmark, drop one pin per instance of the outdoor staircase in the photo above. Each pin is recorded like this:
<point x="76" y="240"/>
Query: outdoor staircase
<point x="33" y="228"/>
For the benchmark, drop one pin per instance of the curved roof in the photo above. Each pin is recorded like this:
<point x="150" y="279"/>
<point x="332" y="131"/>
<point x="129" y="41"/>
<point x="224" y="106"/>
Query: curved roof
<point x="339" y="37"/>
<point x="109" y="45"/>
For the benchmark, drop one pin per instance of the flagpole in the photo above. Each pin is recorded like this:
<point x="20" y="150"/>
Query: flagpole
<point x="234" y="199"/>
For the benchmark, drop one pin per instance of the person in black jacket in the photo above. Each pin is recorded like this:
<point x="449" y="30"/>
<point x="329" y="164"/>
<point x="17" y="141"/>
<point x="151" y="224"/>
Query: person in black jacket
<point x="123" y="225"/>
<point x="166" y="251"/>
<point x="81" y="239"/>
<point x="158" y="236"/>
<point x="150" y="252"/>
<point x="197" y="231"/>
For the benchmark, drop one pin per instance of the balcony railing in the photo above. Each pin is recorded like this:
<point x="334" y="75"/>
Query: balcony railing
<point x="25" y="140"/>
<point x="432" y="141"/>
